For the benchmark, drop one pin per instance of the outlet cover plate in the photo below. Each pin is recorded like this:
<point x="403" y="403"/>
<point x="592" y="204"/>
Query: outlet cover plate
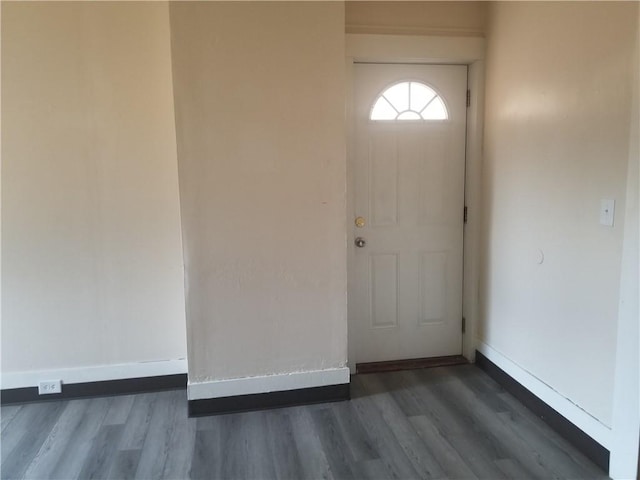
<point x="607" y="211"/>
<point x="50" y="386"/>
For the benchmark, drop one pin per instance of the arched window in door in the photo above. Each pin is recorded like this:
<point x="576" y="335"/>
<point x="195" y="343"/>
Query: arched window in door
<point x="409" y="101"/>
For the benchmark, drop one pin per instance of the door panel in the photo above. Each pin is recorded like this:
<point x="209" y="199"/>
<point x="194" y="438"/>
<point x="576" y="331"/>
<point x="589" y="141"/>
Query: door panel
<point x="383" y="288"/>
<point x="383" y="175"/>
<point x="408" y="185"/>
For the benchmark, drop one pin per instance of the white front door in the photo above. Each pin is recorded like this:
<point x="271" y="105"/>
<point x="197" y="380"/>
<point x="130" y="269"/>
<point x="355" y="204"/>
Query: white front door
<point x="408" y="179"/>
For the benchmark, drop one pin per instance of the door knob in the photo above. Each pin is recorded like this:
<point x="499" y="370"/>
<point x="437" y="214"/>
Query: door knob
<point x="360" y="242"/>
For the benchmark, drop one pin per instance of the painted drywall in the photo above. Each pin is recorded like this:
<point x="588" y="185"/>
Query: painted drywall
<point x="416" y="18"/>
<point x="259" y="98"/>
<point x="558" y="105"/>
<point x="626" y="402"/>
<point x="92" y="272"/>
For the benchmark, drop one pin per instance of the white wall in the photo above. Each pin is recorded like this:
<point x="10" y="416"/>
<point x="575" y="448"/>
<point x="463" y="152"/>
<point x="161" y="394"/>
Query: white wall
<point x="626" y="403"/>
<point x="259" y="93"/>
<point x="559" y="91"/>
<point x="91" y="252"/>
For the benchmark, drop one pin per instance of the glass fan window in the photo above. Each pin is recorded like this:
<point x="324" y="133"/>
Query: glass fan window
<point x="409" y="101"/>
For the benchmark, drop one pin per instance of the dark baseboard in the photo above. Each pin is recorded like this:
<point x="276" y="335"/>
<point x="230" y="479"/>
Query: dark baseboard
<point x="95" y="389"/>
<point x="583" y="442"/>
<point x="410" y="364"/>
<point x="264" y="401"/>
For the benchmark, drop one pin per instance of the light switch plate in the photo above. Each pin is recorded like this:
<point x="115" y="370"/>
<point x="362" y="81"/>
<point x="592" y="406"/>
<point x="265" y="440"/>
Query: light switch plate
<point x="607" y="211"/>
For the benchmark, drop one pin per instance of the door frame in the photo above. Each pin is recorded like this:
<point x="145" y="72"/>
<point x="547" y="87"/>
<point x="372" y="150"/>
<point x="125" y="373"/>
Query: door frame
<point x="426" y="49"/>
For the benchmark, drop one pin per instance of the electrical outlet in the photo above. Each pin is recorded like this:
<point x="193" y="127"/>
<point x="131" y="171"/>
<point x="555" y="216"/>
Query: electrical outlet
<point x="48" y="387"/>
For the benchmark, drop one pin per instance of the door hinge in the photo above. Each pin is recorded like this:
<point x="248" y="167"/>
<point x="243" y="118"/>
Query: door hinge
<point x="464" y="324"/>
<point x="468" y="98"/>
<point x="465" y="215"/>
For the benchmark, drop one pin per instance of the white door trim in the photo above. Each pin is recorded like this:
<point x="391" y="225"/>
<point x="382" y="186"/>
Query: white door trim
<point x="436" y="50"/>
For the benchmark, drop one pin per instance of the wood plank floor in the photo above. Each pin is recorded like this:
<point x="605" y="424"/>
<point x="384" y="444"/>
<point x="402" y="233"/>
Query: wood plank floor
<point x="446" y="422"/>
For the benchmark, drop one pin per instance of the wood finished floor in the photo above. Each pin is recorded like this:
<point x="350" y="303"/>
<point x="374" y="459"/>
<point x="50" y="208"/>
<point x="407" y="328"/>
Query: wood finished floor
<point x="447" y="422"/>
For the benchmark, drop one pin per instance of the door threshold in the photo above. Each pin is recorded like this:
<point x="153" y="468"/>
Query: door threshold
<point x="410" y="364"/>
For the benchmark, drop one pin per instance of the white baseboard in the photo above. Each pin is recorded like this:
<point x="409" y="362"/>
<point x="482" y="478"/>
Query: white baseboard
<point x="268" y="383"/>
<point x="94" y="374"/>
<point x="565" y="407"/>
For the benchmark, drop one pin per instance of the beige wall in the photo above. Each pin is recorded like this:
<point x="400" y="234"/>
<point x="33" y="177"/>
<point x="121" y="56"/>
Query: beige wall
<point x="259" y="93"/>
<point x="91" y="249"/>
<point x="418" y="18"/>
<point x="558" y="104"/>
